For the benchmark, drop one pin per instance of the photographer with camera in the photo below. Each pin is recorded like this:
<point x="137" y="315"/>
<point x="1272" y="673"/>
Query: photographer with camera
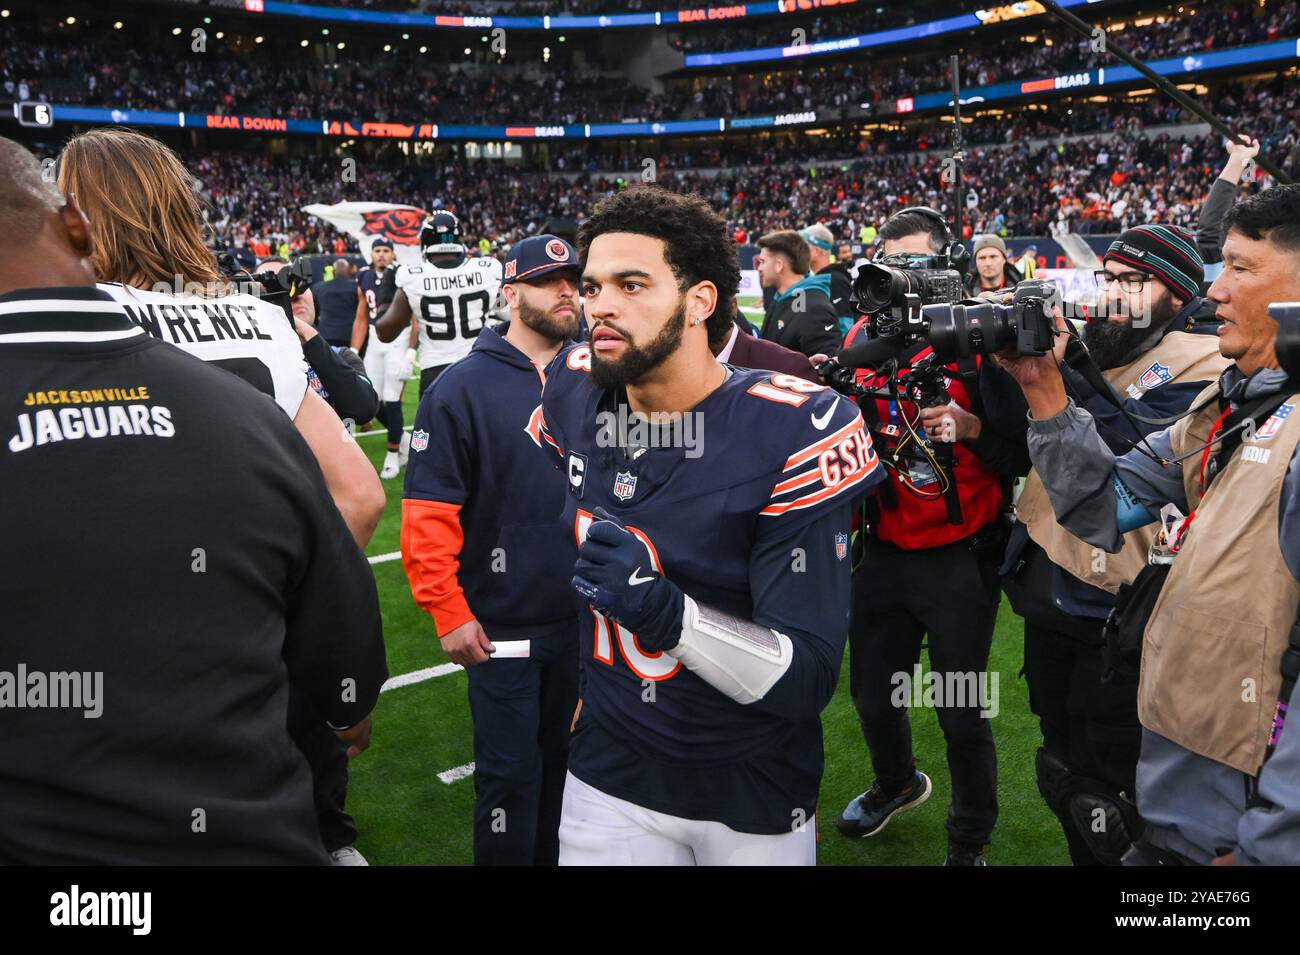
<point x="1218" y="778"/>
<point x="940" y="517"/>
<point x="1155" y="359"/>
<point x="335" y="372"/>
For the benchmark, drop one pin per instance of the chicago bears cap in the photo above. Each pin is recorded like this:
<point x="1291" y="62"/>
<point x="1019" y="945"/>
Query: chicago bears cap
<point x="538" y="255"/>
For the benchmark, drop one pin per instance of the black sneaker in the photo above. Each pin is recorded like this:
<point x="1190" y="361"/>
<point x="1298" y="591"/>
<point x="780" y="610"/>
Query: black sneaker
<point x="959" y="854"/>
<point x="871" y="812"/>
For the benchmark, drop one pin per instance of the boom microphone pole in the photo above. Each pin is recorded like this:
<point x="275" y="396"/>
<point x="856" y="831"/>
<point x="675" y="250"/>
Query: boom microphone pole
<point x="959" y="158"/>
<point x="1085" y="29"/>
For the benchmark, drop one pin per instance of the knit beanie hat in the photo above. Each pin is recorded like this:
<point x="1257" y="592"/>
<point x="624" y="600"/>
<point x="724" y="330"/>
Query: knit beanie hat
<point x="1167" y="252"/>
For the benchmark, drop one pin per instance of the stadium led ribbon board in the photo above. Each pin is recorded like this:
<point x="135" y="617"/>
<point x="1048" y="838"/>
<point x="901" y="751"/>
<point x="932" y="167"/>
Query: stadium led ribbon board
<point x="1277" y="50"/>
<point x="710" y="14"/>
<point x="917" y="31"/>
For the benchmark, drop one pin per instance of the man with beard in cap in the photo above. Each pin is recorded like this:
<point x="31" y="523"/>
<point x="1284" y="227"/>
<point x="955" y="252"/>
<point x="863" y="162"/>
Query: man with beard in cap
<point x="487" y="558"/>
<point x="1157" y="357"/>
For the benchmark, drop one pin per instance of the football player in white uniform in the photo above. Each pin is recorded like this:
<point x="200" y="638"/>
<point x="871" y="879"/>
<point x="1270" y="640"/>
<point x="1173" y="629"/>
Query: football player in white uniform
<point x="451" y="294"/>
<point x="150" y="256"/>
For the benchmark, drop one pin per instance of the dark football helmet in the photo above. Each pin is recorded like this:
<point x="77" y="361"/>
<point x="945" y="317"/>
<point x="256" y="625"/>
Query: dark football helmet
<point x="440" y="235"/>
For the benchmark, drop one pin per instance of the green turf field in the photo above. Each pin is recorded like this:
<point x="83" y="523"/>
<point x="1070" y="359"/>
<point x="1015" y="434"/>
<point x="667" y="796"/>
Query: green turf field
<point x="407" y="816"/>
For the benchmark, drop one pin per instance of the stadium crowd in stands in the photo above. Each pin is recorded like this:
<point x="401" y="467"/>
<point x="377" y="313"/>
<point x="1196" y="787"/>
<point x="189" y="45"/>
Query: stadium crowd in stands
<point x="98" y="69"/>
<point x="1096" y="184"/>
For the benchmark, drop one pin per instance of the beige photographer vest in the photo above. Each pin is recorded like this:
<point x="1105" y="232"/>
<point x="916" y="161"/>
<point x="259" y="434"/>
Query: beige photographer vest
<point x="1213" y="646"/>
<point x="1177" y="358"/>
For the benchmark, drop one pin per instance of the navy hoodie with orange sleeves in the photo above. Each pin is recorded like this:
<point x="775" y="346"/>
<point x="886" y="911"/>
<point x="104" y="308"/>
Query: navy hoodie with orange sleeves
<point x="481" y="537"/>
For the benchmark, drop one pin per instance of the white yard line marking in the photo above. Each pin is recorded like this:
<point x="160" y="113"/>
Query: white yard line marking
<point x="419" y="676"/>
<point x="374" y="431"/>
<point x="460" y="772"/>
<point x="385" y="558"/>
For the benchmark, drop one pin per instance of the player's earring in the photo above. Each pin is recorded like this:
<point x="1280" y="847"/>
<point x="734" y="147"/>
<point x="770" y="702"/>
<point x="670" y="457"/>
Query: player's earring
<point x="700" y="321"/>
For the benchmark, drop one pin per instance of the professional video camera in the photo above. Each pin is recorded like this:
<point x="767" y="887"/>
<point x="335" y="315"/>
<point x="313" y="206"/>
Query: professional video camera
<point x="964" y="328"/>
<point x="881" y="287"/>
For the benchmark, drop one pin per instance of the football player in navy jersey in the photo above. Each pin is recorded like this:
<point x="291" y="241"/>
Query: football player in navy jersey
<point x="388" y="364"/>
<point x="711" y="506"/>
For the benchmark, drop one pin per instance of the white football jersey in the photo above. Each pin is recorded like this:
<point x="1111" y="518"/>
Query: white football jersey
<point x="240" y="333"/>
<point x="451" y="304"/>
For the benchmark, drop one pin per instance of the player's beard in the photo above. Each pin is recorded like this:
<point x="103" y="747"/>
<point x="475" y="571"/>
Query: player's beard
<point x="637" y="360"/>
<point x="1112" y="344"/>
<point x="550" y="326"/>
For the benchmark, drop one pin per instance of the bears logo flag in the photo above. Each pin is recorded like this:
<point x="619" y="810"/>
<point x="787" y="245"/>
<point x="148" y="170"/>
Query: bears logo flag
<point x="368" y="221"/>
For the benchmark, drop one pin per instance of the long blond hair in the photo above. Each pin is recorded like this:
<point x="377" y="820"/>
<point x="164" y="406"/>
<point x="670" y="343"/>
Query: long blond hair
<point x="144" y="217"/>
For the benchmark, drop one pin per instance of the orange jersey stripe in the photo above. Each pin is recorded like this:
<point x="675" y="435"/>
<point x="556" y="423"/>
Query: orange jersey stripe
<point x="828" y="492"/>
<point x="799" y="457"/>
<point x="803" y="480"/>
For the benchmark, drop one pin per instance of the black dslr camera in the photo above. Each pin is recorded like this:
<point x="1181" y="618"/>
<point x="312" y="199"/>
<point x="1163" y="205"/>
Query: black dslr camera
<point x="278" y="288"/>
<point x="1287" y="344"/>
<point x="970" y="328"/>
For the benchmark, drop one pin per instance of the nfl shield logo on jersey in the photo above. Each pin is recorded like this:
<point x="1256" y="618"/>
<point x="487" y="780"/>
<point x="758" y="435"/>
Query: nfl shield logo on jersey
<point x="419" y="440"/>
<point x="624" y="485"/>
<point x="841" y="546"/>
<point x="1157" y="374"/>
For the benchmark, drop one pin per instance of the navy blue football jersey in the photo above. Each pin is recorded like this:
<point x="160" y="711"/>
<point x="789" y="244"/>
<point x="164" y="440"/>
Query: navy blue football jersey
<point x="746" y="506"/>
<point x="377" y="287"/>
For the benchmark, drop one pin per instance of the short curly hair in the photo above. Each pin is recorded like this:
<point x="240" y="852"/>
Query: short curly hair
<point x="696" y="244"/>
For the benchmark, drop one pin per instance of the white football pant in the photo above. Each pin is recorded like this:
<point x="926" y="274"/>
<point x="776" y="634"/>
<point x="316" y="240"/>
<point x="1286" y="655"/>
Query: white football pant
<point x="599" y="829"/>
<point x="382" y="363"/>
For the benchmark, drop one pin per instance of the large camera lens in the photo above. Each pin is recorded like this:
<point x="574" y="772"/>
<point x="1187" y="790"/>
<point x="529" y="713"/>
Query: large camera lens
<point x="962" y="330"/>
<point x="1287" y="344"/>
<point x="879" y="286"/>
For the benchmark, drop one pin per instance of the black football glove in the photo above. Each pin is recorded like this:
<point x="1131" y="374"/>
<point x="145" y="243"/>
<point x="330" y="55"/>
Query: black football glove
<point x="615" y="573"/>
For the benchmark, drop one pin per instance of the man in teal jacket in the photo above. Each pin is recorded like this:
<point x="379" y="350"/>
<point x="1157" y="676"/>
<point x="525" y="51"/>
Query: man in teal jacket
<point x="801" y="316"/>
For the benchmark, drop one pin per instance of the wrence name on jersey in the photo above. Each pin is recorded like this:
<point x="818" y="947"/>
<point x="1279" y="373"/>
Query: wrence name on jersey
<point x="198" y="321"/>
